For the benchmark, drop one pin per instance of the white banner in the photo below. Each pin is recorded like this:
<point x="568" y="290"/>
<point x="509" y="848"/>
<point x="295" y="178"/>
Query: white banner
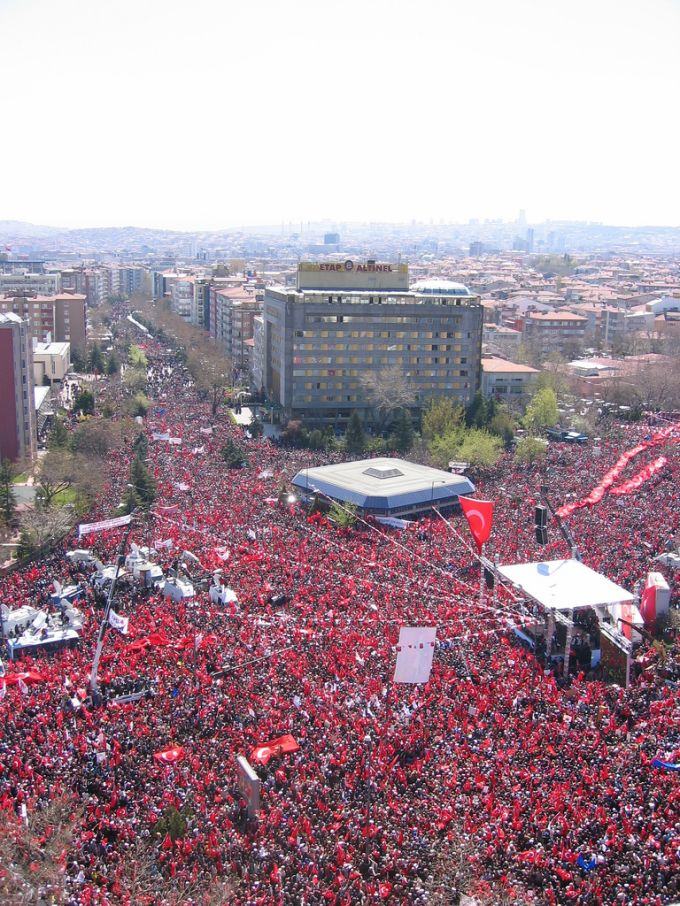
<point x="157" y="436"/>
<point x="414" y="654"/>
<point x="118" y="622"/>
<point x="206" y="431"/>
<point x="87" y="528"/>
<point x="393" y="522"/>
<point x="175" y="440"/>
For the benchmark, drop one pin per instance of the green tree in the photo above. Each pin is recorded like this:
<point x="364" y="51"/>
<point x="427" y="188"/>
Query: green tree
<point x="542" y="410"/>
<point x="135" y="380"/>
<point x="142" y="482"/>
<point x="140" y="405"/>
<point x="402" y="432"/>
<point x="530" y="450"/>
<point x="138" y="358"/>
<point x="479" y="448"/>
<point x="441" y="417"/>
<point x="8" y="504"/>
<point x="232" y="455"/>
<point x="96" y="359"/>
<point x="256" y="428"/>
<point x="355" y="437"/>
<point x="78" y="362"/>
<point x="344" y="516"/>
<point x="112" y="365"/>
<point x="140" y="446"/>
<point x="503" y="426"/>
<point x="58" y="437"/>
<point x="476" y="415"/>
<point x="84" y="403"/>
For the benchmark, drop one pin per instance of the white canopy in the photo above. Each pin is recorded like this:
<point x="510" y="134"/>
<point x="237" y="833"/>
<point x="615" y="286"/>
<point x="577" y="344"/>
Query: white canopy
<point x="565" y="584"/>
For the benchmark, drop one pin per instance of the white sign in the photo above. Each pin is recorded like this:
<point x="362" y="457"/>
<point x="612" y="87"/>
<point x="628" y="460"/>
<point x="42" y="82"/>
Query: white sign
<point x="414" y="654"/>
<point x="248" y="784"/>
<point x="87" y="528"/>
<point x="118" y="622"/>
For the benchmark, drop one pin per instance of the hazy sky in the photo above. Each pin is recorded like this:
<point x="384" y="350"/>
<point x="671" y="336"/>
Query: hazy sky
<point x="216" y="113"/>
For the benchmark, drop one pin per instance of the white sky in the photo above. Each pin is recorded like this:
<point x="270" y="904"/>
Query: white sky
<point x="204" y="114"/>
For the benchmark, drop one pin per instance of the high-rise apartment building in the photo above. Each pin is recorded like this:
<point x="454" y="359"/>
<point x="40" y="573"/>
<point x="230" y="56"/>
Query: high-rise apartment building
<point x="17" y="404"/>
<point x="62" y="318"/>
<point x="28" y="283"/>
<point x="348" y="319"/>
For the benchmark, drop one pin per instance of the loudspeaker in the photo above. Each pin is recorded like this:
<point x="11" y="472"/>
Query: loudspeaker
<point x="541" y="535"/>
<point x="541" y="516"/>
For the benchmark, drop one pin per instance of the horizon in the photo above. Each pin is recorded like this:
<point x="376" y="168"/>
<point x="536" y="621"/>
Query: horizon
<point x="297" y="227"/>
<point x="187" y="118"/>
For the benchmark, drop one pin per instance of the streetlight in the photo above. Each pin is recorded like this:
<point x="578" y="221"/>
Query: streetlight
<point x="436" y="481"/>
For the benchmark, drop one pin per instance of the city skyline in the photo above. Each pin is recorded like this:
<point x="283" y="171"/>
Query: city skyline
<point x="212" y="117"/>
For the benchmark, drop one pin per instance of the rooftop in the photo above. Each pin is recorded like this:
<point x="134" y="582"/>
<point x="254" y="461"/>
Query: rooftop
<point x="384" y="484"/>
<point x="493" y="364"/>
<point x="555" y="316"/>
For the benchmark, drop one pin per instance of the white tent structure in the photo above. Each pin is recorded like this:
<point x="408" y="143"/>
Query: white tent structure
<point x="565" y="584"/>
<point x="562" y="586"/>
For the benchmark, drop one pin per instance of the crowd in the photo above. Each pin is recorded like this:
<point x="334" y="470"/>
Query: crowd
<point x="489" y="780"/>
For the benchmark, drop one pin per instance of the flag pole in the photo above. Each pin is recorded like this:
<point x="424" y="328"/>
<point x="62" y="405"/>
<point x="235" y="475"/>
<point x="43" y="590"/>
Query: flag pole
<point x="94" y="688"/>
<point x="481" y="573"/>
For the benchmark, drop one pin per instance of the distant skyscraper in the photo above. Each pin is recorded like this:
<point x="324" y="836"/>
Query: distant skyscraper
<point x="331" y="239"/>
<point x="530" y="239"/>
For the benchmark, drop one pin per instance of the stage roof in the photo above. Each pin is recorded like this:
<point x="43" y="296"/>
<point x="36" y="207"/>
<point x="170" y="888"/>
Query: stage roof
<point x="385" y="484"/>
<point x="565" y="584"/>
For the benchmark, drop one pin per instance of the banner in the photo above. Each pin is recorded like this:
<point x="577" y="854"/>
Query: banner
<point x="118" y="622"/>
<point x="248" y="784"/>
<point x="88" y="528"/>
<point x="158" y="436"/>
<point x="393" y="522"/>
<point x="641" y="477"/>
<point x="667" y="435"/>
<point x="414" y="654"/>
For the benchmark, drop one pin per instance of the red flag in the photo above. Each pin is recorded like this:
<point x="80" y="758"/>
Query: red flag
<point x="479" y="515"/>
<point x="648" y="602"/>
<point x="170" y="756"/>
<point x="279" y="746"/>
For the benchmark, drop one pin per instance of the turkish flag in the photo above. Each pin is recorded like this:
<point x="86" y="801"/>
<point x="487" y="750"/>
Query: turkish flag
<point x="170" y="756"/>
<point x="479" y="515"/>
<point x="279" y="746"/>
<point x="648" y="602"/>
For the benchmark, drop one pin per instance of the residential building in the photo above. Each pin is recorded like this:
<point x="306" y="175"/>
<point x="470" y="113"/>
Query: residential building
<point x="554" y="330"/>
<point x="200" y="307"/>
<point x="505" y="379"/>
<point x="345" y="320"/>
<point x="182" y="295"/>
<point x="17" y="413"/>
<point x="62" y="318"/>
<point x="51" y="361"/>
<point x="30" y="284"/>
<point x="503" y="341"/>
<point x="235" y="310"/>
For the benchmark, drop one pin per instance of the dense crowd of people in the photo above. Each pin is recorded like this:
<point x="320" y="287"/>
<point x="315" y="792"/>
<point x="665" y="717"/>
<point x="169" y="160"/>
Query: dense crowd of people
<point x="490" y="779"/>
